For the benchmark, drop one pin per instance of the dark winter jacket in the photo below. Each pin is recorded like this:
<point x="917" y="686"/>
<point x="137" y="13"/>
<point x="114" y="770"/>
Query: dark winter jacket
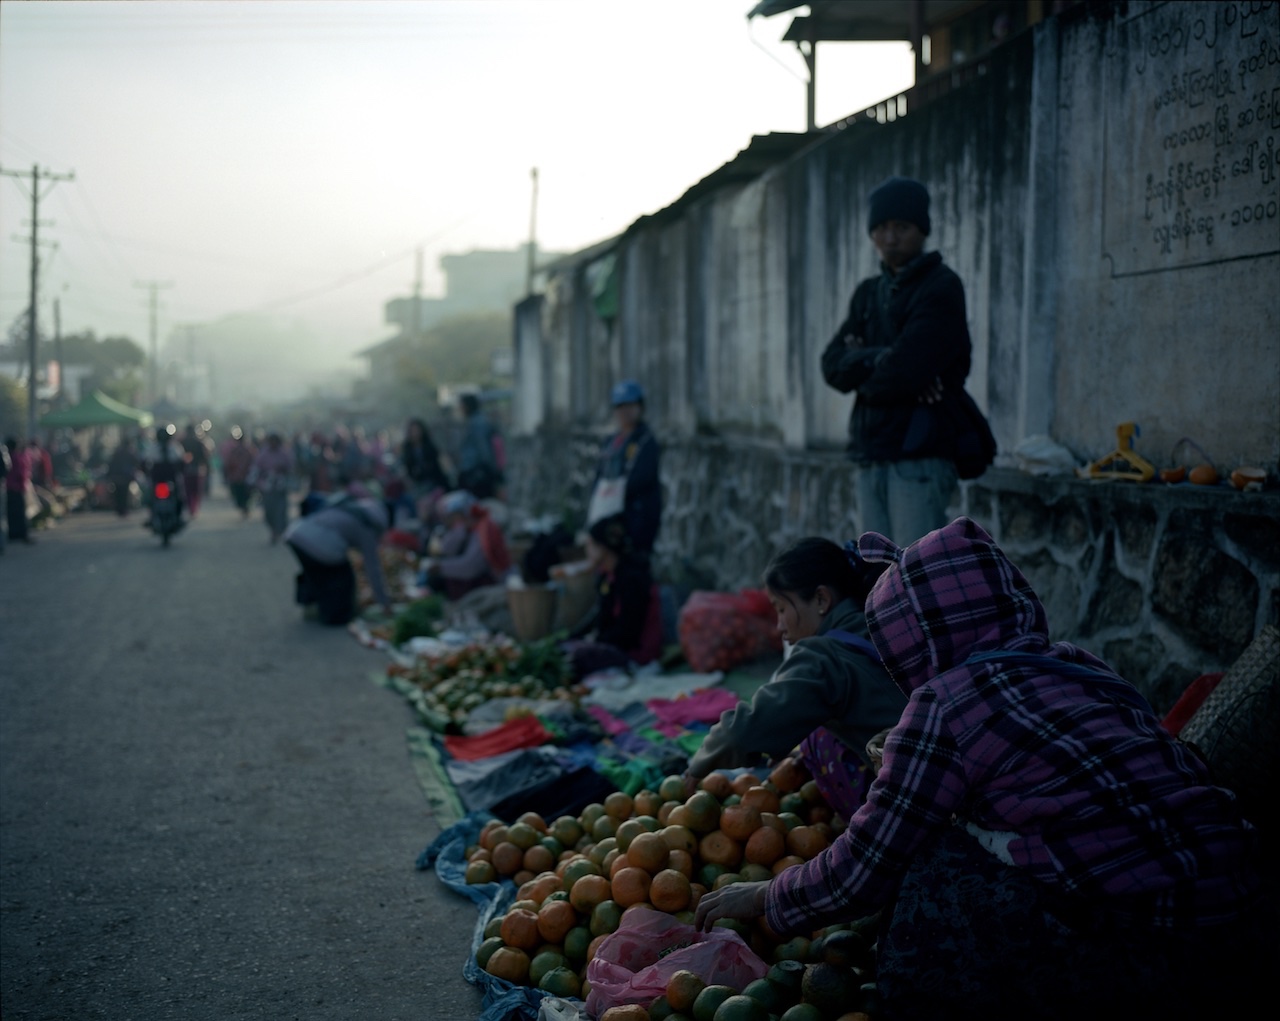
<point x="636" y="456"/>
<point x="904" y="331"/>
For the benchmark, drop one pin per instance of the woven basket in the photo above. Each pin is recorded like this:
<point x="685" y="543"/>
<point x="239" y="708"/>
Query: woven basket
<point x="1235" y="729"/>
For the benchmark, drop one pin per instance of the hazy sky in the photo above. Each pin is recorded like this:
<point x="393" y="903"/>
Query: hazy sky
<point x="291" y="156"/>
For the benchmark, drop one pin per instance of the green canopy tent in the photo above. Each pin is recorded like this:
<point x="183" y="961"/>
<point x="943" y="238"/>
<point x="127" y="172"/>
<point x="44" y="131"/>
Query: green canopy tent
<point x="96" y="409"/>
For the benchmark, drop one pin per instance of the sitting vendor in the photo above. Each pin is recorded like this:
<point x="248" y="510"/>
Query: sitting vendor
<point x="1038" y="844"/>
<point x="467" y="551"/>
<point x="831" y="695"/>
<point x="626" y="625"/>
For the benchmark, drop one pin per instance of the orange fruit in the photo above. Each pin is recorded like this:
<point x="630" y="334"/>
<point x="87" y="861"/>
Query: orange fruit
<point x="538" y="859"/>
<point x="630" y="886"/>
<point x="786" y="862"/>
<point x="681" y="861"/>
<point x="740" y="821"/>
<point x="762" y="798"/>
<point x="774" y="821"/>
<point x="522" y="876"/>
<point x="765" y="846"/>
<point x="567" y="830"/>
<point x="742" y="784"/>
<point x="672" y="788"/>
<point x="615" y="862"/>
<point x="679" y="838"/>
<point x="589" y="891"/>
<point x="683" y="988"/>
<point x="625" y="1012"/>
<point x="492" y="834"/>
<point x="726" y="879"/>
<point x="510" y="964"/>
<point x="649" y="851"/>
<point x="480" y="854"/>
<point x="628" y="831"/>
<point x="789" y="776"/>
<point x="576" y="869"/>
<point x="555" y="919"/>
<point x="704" y="811"/>
<point x="535" y="820"/>
<point x="806" y="842"/>
<point x="507" y="858"/>
<point x="648" y="803"/>
<point x="619" y="804"/>
<point x="716" y="784"/>
<point x="670" y="891"/>
<point x="605" y="826"/>
<point x="605" y="918"/>
<point x="522" y="835"/>
<point x="520" y="929"/>
<point x="480" y="872"/>
<point x="678" y="815"/>
<point x="719" y="848"/>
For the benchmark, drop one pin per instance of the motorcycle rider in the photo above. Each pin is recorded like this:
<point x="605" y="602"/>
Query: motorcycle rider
<point x="165" y="463"/>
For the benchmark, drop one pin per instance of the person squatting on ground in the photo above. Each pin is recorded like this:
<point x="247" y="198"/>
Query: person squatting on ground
<point x="831" y="695"/>
<point x="627" y="480"/>
<point x="468" y="552"/>
<point x="1040" y="846"/>
<point x="626" y="626"/>
<point x="321" y="542"/>
<point x="903" y="345"/>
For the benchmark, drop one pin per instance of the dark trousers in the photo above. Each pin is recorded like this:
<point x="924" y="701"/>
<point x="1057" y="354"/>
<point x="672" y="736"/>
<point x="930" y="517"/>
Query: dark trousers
<point x="330" y="587"/>
<point x="16" y="511"/>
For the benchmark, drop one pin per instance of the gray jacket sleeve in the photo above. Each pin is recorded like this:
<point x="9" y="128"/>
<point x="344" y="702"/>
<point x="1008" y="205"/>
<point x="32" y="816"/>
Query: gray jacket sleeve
<point x="811" y="688"/>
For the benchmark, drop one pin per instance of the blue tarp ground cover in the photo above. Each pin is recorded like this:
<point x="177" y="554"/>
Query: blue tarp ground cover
<point x="503" y="1001"/>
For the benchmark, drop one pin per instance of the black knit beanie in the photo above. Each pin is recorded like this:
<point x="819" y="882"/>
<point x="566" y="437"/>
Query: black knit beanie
<point x="899" y="198"/>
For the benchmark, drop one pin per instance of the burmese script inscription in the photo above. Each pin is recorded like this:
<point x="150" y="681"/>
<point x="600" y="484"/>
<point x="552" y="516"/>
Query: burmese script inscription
<point x="1192" y="137"/>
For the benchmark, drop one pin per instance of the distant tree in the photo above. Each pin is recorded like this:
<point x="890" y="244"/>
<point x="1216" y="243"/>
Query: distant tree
<point x="13" y="408"/>
<point x="114" y="363"/>
<point x="461" y="349"/>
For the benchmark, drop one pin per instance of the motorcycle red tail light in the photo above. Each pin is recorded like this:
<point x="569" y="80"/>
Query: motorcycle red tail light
<point x="162" y="490"/>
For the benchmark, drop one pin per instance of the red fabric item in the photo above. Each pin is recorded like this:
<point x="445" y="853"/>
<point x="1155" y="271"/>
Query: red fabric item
<point x="492" y="541"/>
<point x="1190" y="700"/>
<point x="522" y="732"/>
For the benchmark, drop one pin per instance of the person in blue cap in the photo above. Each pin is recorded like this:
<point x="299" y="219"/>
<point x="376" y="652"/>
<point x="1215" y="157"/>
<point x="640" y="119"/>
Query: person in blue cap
<point x="903" y="348"/>
<point x="626" y="480"/>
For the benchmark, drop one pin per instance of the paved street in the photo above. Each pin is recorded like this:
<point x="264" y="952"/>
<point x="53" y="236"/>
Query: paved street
<point x="207" y="808"/>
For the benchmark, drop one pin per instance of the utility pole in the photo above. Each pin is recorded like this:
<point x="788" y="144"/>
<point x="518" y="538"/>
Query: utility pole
<point x="533" y="233"/>
<point x="416" y="319"/>
<point x="154" y="286"/>
<point x="37" y="175"/>
<point x="57" y="344"/>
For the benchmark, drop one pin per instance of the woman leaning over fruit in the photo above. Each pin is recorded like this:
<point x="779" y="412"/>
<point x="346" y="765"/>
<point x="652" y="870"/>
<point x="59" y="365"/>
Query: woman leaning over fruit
<point x="1040" y="845"/>
<point x="831" y="695"/>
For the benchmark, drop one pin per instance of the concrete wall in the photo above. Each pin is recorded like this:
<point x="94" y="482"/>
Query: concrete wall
<point x="1106" y="189"/>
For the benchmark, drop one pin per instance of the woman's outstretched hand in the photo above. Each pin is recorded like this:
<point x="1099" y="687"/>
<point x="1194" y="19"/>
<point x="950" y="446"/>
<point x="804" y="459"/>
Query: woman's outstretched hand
<point x="737" y="900"/>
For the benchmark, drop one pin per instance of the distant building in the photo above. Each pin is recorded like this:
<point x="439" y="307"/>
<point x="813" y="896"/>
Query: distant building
<point x="475" y="282"/>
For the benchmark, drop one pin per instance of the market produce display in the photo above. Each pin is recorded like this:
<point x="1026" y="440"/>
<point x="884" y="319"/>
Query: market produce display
<point x="446" y="686"/>
<point x="579" y="877"/>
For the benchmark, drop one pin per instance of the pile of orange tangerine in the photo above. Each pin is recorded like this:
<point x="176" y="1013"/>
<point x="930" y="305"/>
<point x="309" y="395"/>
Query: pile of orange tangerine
<point x="577" y="877"/>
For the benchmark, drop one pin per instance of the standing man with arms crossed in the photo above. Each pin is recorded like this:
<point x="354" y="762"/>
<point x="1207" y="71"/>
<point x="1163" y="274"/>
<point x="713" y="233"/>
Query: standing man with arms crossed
<point x="904" y="344"/>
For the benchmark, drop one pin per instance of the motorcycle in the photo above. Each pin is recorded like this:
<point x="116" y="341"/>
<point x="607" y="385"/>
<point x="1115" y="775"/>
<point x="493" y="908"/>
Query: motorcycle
<point x="166" y="520"/>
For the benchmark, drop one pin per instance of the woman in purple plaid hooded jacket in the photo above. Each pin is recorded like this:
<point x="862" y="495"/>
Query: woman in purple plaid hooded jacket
<point x="1036" y="844"/>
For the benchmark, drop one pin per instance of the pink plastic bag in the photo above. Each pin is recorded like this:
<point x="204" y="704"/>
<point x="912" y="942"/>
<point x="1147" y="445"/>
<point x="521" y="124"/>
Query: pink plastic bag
<point x="633" y="964"/>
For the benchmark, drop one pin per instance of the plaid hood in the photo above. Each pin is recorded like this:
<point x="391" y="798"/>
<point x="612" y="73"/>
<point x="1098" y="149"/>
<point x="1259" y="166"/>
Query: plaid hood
<point x="946" y="596"/>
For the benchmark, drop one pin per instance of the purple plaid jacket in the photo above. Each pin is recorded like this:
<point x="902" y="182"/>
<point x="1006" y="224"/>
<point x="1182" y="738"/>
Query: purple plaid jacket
<point x="1062" y="773"/>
